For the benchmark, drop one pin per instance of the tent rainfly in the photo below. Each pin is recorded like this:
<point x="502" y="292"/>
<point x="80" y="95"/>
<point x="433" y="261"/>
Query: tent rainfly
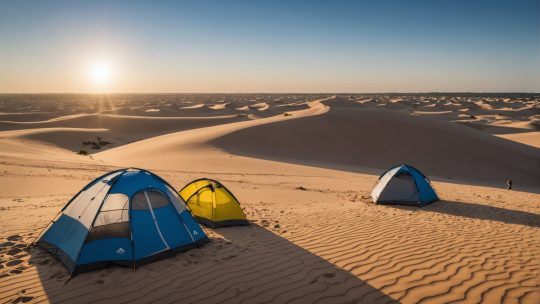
<point x="403" y="185"/>
<point x="126" y="217"/>
<point x="213" y="204"/>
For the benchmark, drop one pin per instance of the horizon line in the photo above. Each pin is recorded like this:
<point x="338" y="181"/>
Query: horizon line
<point x="269" y="93"/>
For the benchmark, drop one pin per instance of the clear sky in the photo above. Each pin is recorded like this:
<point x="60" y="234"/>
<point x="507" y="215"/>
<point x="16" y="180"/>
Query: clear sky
<point x="270" y="46"/>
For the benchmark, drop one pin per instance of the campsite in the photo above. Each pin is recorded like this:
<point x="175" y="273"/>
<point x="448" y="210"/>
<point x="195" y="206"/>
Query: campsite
<point x="270" y="151"/>
<point x="315" y="233"/>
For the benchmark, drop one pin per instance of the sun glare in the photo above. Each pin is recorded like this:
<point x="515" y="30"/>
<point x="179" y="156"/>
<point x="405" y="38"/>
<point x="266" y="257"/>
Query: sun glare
<point x="101" y="74"/>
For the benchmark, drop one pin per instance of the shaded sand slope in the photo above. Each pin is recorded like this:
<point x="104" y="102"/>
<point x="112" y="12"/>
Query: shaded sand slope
<point x="70" y="132"/>
<point x="118" y="123"/>
<point x="66" y="138"/>
<point x="22" y="116"/>
<point x="350" y="139"/>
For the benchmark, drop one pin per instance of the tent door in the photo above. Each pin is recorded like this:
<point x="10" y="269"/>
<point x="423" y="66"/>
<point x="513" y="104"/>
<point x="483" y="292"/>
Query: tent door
<point x="148" y="238"/>
<point x="170" y="226"/>
<point x="400" y="188"/>
<point x="151" y="208"/>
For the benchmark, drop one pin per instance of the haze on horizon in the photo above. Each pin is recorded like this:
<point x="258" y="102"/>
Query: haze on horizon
<point x="269" y="46"/>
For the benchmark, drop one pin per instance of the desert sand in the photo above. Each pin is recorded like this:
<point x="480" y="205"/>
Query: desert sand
<point x="302" y="167"/>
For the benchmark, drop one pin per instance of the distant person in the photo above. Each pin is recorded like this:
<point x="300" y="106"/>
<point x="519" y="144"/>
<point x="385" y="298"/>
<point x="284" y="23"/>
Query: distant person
<point x="509" y="184"/>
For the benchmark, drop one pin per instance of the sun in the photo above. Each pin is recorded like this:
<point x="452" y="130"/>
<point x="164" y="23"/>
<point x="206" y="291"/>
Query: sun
<point x="101" y="74"/>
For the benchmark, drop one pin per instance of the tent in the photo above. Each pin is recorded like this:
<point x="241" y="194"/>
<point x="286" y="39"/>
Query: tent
<point x="403" y="185"/>
<point x="126" y="217"/>
<point x="212" y="204"/>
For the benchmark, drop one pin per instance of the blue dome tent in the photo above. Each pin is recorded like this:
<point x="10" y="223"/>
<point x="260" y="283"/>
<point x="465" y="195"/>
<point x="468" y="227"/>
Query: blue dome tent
<point x="403" y="185"/>
<point x="126" y="217"/>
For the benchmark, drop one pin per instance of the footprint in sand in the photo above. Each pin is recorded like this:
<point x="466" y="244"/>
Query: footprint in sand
<point x="14" y="251"/>
<point x="22" y="299"/>
<point x="6" y="244"/>
<point x="329" y="275"/>
<point x="57" y="275"/>
<point x="14" y="237"/>
<point x="13" y="263"/>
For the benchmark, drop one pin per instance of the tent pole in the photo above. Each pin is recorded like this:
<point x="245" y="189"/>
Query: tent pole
<point x="213" y="205"/>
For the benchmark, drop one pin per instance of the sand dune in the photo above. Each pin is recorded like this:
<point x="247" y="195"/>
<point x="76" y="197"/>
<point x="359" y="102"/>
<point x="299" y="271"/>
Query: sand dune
<point x="24" y="148"/>
<point x="72" y="131"/>
<point x="67" y="138"/>
<point x="304" y="180"/>
<point x="152" y="110"/>
<point x="432" y="112"/>
<point x="177" y="145"/>
<point x="354" y="139"/>
<point x="262" y="106"/>
<point x="492" y="127"/>
<point x="195" y="106"/>
<point x="527" y="138"/>
<point x="218" y="106"/>
<point x="108" y="121"/>
<point x="36" y="116"/>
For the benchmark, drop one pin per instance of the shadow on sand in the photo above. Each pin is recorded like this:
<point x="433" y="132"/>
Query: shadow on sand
<point x="479" y="211"/>
<point x="247" y="264"/>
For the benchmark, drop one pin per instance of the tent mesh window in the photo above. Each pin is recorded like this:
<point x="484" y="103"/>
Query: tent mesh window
<point x="176" y="200"/>
<point x="139" y="202"/>
<point x="400" y="187"/>
<point x="112" y="220"/>
<point x="157" y="199"/>
<point x="85" y="205"/>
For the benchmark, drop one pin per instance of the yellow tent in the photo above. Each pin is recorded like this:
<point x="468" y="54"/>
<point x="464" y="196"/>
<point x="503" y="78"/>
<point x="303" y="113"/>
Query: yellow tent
<point x="212" y="204"/>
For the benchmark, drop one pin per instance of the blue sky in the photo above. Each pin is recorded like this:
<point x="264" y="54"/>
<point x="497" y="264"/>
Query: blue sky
<point x="270" y="46"/>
